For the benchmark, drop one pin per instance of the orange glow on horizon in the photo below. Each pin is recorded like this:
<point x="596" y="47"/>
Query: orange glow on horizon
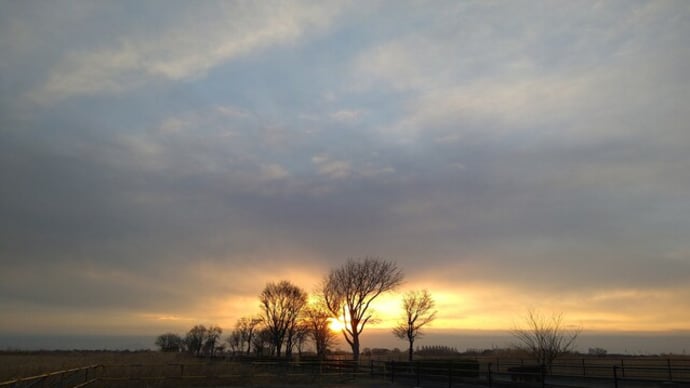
<point x="459" y="305"/>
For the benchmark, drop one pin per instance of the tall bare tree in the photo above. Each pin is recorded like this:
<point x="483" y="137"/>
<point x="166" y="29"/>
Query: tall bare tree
<point x="350" y="289"/>
<point x="417" y="312"/>
<point x="545" y="338"/>
<point x="281" y="305"/>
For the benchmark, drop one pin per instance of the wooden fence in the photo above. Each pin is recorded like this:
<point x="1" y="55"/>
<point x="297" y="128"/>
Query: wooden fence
<point x="620" y="373"/>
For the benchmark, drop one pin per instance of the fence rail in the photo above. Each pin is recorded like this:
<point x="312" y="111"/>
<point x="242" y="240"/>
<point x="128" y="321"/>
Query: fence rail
<point x="451" y="373"/>
<point x="75" y="377"/>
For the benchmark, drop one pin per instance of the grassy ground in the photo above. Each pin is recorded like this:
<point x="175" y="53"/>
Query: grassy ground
<point x="149" y="368"/>
<point x="23" y="364"/>
<point x="156" y="369"/>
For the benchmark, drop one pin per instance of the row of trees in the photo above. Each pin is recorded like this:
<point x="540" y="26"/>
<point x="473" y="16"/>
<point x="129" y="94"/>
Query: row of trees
<point x="288" y="318"/>
<point x="198" y="340"/>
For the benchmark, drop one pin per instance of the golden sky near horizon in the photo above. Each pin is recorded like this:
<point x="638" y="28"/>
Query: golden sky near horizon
<point x="469" y="306"/>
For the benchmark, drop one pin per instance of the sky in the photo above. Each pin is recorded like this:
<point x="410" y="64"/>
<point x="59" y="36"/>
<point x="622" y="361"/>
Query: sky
<point x="161" y="161"/>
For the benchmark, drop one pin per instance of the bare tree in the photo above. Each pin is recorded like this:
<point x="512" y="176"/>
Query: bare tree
<point x="195" y="339"/>
<point x="417" y="312"/>
<point x="301" y="337"/>
<point x="235" y="341"/>
<point x="263" y="343"/>
<point x="169" y="342"/>
<point x="211" y="339"/>
<point x="318" y="319"/>
<point x="246" y="327"/>
<point x="350" y="289"/>
<point x="281" y="304"/>
<point x="545" y="338"/>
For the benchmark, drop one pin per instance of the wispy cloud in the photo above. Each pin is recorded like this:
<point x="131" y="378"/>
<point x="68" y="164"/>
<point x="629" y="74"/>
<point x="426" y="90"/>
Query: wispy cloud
<point x="336" y="169"/>
<point x="347" y="115"/>
<point x="185" y="48"/>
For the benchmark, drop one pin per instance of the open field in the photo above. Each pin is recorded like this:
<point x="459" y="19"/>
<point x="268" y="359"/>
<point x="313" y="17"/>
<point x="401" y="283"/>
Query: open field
<point x="156" y="369"/>
<point x="16" y="364"/>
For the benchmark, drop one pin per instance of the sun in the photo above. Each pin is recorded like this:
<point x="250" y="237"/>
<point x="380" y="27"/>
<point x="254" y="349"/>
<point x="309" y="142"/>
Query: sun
<point x="336" y="325"/>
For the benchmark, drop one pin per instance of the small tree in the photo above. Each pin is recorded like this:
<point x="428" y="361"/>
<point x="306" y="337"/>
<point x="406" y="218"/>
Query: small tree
<point x="318" y="319"/>
<point x="263" y="343"/>
<point x="235" y="342"/>
<point x="417" y="312"/>
<point x="169" y="342"/>
<point x="545" y="338"/>
<point x="211" y="339"/>
<point x="301" y="337"/>
<point x="195" y="339"/>
<point x="281" y="305"/>
<point x="246" y="328"/>
<point x="349" y="291"/>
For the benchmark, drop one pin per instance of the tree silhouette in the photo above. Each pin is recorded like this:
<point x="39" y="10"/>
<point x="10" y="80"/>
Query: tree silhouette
<point x="281" y="304"/>
<point x="195" y="339"/>
<point x="246" y="328"/>
<point x="545" y="338"/>
<point x="349" y="290"/>
<point x="169" y="342"/>
<point x="318" y="318"/>
<point x="417" y="312"/>
<point x="211" y="339"/>
<point x="235" y="341"/>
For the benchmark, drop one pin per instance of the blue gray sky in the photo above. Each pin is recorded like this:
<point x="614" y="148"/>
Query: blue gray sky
<point x="161" y="161"/>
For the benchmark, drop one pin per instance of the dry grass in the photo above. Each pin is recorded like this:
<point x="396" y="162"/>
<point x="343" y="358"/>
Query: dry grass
<point x="156" y="369"/>
<point x="23" y="364"/>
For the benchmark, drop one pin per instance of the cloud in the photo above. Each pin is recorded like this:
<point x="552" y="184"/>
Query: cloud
<point x="184" y="49"/>
<point x="347" y="115"/>
<point x="517" y="77"/>
<point x="273" y="171"/>
<point x="335" y="169"/>
<point x="493" y="152"/>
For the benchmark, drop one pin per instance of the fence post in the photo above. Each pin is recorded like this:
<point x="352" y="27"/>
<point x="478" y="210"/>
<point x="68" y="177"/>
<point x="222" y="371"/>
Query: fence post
<point x="498" y="365"/>
<point x="622" y="368"/>
<point x="392" y="371"/>
<point x="670" y="374"/>
<point x="490" y="379"/>
<point x="615" y="376"/>
<point x="584" y="368"/>
<point x="543" y="375"/>
<point x="450" y="374"/>
<point x="419" y="372"/>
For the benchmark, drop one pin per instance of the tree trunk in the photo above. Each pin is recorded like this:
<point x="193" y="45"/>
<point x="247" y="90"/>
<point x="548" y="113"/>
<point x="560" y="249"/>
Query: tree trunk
<point x="411" y="350"/>
<point x="355" y="347"/>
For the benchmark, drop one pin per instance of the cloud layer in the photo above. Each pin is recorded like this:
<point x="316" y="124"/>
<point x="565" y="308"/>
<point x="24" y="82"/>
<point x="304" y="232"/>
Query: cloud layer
<point x="161" y="162"/>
